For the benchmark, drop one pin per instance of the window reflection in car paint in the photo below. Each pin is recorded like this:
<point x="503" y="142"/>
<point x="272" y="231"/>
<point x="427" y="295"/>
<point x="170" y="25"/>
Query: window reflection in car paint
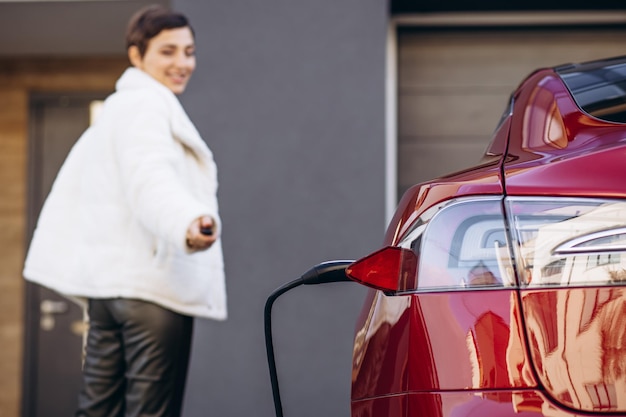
<point x="570" y="327"/>
<point x="376" y="345"/>
<point x="543" y="123"/>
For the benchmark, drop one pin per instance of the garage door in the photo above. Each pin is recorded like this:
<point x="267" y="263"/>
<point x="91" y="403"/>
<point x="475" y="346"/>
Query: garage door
<point x="453" y="86"/>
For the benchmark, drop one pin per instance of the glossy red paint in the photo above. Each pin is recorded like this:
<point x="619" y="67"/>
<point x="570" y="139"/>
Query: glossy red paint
<point x="470" y="342"/>
<point x="381" y="347"/>
<point x="485" y="180"/>
<point x="440" y="342"/>
<point x="577" y="337"/>
<point x="578" y="340"/>
<point x="557" y="149"/>
<point x="528" y="403"/>
<point x="487" y="404"/>
<point x="512" y="351"/>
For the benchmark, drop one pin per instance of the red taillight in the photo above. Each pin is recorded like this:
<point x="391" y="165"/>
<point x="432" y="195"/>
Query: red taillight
<point x="390" y="269"/>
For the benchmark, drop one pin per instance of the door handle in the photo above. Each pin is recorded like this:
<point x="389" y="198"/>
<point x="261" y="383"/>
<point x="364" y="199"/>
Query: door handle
<point x="53" y="307"/>
<point x="48" y="308"/>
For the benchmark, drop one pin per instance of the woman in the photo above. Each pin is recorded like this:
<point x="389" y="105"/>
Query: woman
<point x="131" y="226"/>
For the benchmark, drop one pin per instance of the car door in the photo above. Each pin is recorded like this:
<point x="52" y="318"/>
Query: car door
<point x="54" y="325"/>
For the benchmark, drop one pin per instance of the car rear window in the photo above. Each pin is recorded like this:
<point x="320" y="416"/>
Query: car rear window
<point x="599" y="89"/>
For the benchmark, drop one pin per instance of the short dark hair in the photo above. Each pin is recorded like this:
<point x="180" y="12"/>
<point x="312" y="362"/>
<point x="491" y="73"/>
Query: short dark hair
<point x="148" y="22"/>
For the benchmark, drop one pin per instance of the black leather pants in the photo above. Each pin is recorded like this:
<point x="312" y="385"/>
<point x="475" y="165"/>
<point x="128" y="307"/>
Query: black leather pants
<point x="136" y="359"/>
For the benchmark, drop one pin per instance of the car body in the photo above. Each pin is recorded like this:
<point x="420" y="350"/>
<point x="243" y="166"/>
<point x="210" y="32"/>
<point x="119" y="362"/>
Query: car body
<point x="500" y="290"/>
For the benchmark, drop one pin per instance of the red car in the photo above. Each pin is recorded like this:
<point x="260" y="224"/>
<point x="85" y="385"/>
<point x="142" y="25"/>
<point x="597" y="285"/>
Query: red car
<point x="501" y="290"/>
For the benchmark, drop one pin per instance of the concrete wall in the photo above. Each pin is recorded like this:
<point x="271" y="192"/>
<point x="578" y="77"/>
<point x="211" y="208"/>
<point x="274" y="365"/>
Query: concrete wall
<point x="290" y="97"/>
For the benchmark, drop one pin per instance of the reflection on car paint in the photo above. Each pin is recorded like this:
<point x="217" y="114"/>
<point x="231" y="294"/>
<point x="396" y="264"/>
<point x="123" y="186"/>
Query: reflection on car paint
<point x="517" y="306"/>
<point x="571" y="327"/>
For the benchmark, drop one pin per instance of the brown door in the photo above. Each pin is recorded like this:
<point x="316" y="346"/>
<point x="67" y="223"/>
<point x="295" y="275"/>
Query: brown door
<point x="54" y="325"/>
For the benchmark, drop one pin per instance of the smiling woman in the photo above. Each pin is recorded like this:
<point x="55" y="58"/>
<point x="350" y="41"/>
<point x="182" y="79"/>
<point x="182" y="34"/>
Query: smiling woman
<point x="169" y="58"/>
<point x="167" y="54"/>
<point x="147" y="266"/>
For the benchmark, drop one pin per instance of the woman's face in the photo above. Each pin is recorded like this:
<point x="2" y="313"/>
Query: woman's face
<point x="169" y="58"/>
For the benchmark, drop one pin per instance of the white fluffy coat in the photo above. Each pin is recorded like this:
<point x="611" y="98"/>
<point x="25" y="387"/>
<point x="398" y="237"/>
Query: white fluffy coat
<point x="115" y="221"/>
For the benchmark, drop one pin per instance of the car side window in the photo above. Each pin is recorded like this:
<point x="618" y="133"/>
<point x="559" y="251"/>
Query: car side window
<point x="567" y="241"/>
<point x="462" y="244"/>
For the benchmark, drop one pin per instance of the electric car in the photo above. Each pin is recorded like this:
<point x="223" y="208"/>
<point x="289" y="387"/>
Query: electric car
<point x="501" y="290"/>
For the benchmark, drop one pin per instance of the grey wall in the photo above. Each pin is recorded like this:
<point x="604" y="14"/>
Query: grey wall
<point x="290" y="97"/>
<point x="289" y="94"/>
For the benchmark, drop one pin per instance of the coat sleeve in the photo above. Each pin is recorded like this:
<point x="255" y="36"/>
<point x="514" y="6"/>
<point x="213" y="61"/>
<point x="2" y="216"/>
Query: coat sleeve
<point x="150" y="159"/>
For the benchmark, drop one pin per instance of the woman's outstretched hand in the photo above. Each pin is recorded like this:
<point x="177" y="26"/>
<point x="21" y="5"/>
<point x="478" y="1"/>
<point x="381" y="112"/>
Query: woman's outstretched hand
<point x="201" y="233"/>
